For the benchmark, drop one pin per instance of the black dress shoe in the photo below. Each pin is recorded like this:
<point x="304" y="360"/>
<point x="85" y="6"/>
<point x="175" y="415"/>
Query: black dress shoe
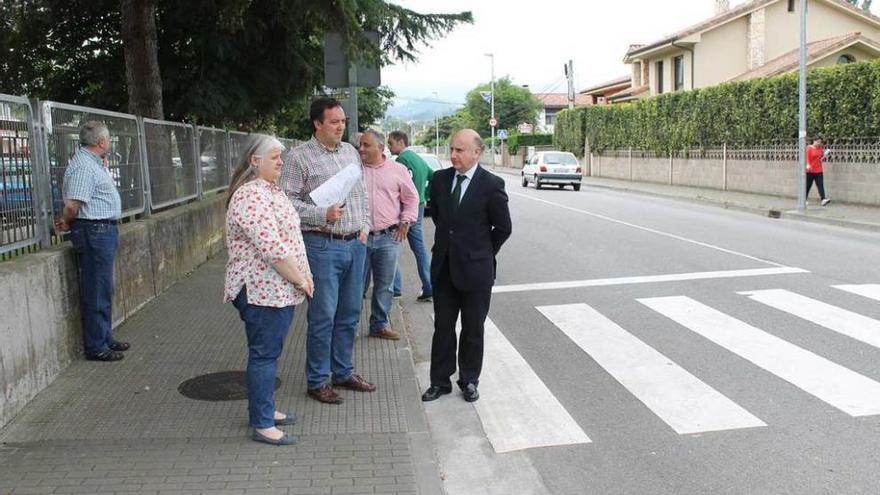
<point x="470" y="393"/>
<point x="434" y="392"/>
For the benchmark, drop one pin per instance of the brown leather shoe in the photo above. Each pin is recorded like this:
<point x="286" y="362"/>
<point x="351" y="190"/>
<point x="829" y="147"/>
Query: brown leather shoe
<point x="325" y="394"/>
<point x="357" y="384"/>
<point x="386" y="333"/>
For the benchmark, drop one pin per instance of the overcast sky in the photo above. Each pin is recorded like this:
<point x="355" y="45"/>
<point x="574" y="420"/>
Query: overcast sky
<point x="532" y="40"/>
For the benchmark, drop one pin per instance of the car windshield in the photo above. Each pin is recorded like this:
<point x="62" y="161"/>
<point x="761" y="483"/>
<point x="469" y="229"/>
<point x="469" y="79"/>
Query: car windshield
<point x="432" y="162"/>
<point x="560" y="159"/>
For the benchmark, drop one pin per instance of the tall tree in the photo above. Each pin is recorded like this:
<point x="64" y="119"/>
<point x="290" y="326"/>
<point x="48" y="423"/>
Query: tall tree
<point x="244" y="63"/>
<point x="142" y="75"/>
<point x="513" y="106"/>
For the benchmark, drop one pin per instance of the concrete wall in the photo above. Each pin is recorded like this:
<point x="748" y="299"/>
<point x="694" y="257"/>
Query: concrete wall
<point x="40" y="329"/>
<point x="845" y="182"/>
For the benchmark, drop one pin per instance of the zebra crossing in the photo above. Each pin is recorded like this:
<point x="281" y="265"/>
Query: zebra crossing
<point x="676" y="395"/>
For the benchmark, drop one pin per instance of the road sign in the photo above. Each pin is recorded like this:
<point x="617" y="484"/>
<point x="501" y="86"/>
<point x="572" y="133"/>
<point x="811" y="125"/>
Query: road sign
<point x="493" y="122"/>
<point x="502" y="134"/>
<point x="525" y="128"/>
<point x="486" y="95"/>
<point x="337" y="64"/>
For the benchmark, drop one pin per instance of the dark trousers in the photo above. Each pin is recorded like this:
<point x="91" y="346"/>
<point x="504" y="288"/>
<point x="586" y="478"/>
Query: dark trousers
<point x="473" y="306"/>
<point x="266" y="328"/>
<point x="95" y="245"/>
<point x="819" y="179"/>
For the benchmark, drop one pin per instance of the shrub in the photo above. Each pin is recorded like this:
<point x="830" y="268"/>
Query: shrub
<point x="517" y="140"/>
<point x="842" y="101"/>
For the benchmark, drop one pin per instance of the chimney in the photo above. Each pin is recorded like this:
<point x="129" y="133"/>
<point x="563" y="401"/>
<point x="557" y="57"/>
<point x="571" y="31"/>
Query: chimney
<point x="721" y="6"/>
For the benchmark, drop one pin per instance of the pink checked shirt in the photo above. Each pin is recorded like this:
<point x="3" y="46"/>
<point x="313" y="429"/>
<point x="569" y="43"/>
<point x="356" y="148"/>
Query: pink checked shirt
<point x="262" y="227"/>
<point x="392" y="194"/>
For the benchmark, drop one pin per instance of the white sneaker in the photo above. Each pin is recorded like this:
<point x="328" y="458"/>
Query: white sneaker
<point x="825" y="201"/>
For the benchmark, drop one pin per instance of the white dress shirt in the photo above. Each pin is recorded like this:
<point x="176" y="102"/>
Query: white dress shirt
<point x="464" y="184"/>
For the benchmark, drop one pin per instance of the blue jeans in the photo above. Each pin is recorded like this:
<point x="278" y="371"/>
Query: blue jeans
<point x="266" y="329"/>
<point x="381" y="260"/>
<point x="95" y="245"/>
<point x="335" y="310"/>
<point x="423" y="260"/>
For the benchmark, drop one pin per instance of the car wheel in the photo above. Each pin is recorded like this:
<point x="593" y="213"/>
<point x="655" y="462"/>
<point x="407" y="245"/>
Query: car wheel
<point x="537" y="183"/>
<point x="561" y="186"/>
<point x="525" y="182"/>
<point x="577" y="187"/>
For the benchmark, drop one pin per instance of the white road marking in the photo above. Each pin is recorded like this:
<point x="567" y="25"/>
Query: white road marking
<point x="840" y="320"/>
<point x="647" y="279"/>
<point x="647" y="229"/>
<point x="516" y="408"/>
<point x="871" y="291"/>
<point x="679" y="398"/>
<point x="840" y="387"/>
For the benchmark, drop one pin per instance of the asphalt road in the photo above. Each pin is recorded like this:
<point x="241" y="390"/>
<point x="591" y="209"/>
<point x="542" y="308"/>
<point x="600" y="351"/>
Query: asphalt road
<point x="692" y="350"/>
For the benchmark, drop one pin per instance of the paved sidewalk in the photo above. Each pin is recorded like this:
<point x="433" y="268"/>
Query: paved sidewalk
<point x="124" y="427"/>
<point x="836" y="213"/>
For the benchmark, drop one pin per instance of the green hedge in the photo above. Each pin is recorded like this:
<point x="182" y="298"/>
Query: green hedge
<point x="517" y="140"/>
<point x="842" y="101"/>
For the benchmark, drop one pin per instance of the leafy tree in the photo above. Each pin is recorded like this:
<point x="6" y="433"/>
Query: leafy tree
<point x="513" y="105"/>
<point x="250" y="64"/>
<point x="866" y="4"/>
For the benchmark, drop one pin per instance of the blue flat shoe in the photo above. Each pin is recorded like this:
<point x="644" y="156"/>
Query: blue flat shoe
<point x="285" y="440"/>
<point x="289" y="419"/>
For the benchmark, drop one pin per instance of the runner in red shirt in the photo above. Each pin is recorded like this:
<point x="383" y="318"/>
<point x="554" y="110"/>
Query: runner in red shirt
<point x="815" y="173"/>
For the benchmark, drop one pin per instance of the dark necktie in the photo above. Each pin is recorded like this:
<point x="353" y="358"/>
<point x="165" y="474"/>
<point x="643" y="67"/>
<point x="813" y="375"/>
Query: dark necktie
<point x="456" y="193"/>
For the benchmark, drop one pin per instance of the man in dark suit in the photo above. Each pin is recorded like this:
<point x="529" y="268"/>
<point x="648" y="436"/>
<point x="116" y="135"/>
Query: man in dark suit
<point x="469" y="209"/>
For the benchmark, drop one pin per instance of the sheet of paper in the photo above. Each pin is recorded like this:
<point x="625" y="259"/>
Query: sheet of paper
<point x="335" y="190"/>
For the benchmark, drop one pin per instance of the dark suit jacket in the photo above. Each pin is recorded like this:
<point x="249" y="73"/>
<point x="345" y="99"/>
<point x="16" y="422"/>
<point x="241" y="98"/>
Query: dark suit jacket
<point x="470" y="241"/>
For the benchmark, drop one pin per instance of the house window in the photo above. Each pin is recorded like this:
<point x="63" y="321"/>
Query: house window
<point x="659" y="77"/>
<point x="791" y="5"/>
<point x="550" y="118"/>
<point x="846" y="58"/>
<point x="678" y="63"/>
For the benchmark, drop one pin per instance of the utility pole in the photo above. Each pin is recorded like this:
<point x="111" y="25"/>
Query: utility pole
<point x="569" y="74"/>
<point x="492" y="102"/>
<point x="436" y="129"/>
<point x="802" y="114"/>
<point x="352" y="99"/>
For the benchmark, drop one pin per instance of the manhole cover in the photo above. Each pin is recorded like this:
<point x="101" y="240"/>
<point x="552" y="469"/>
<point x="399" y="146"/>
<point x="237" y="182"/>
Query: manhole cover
<point x="225" y="385"/>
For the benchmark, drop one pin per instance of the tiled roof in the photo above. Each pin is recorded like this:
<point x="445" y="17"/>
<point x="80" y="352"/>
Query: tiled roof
<point x="550" y="100"/>
<point x="815" y="51"/>
<point x="730" y="15"/>
<point x="629" y="94"/>
<point x="607" y="85"/>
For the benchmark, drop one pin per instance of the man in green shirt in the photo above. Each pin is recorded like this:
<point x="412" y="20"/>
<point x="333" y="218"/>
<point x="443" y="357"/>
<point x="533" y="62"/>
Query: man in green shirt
<point x="421" y="173"/>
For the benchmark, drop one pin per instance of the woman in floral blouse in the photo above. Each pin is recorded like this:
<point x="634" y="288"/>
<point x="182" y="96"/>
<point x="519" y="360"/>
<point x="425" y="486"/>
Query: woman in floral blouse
<point x="266" y="276"/>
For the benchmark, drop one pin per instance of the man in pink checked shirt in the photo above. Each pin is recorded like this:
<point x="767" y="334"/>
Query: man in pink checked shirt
<point x="394" y="206"/>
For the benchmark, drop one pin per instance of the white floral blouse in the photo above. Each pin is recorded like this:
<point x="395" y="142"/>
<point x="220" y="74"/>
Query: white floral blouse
<point x="262" y="227"/>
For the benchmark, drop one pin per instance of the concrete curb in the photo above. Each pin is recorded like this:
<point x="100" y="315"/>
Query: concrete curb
<point x="424" y="459"/>
<point x="767" y="212"/>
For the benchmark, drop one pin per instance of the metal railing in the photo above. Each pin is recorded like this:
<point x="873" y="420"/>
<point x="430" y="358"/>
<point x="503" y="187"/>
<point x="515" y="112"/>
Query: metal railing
<point x="156" y="164"/>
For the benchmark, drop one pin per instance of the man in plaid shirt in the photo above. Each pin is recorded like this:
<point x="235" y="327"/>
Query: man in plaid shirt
<point x="335" y="239"/>
<point x="92" y="207"/>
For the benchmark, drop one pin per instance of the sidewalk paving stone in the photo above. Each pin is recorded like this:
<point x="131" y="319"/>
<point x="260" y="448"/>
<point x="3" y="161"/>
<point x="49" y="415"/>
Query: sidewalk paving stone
<point x="124" y="428"/>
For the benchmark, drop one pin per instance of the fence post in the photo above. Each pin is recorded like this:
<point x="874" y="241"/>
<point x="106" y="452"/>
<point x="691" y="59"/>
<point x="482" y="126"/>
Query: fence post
<point x="197" y="156"/>
<point x="724" y="167"/>
<point x="630" y="163"/>
<point x="145" y="167"/>
<point x="671" y="155"/>
<point x="41" y="169"/>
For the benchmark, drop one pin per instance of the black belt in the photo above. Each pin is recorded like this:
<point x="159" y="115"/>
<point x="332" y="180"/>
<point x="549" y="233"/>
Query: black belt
<point x="385" y="231"/>
<point x="106" y="221"/>
<point x="330" y="235"/>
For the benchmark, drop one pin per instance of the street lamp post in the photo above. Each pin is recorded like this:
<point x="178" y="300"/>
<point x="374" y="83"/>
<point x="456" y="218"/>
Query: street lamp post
<point x="436" y="130"/>
<point x="492" y="102"/>
<point x="802" y="113"/>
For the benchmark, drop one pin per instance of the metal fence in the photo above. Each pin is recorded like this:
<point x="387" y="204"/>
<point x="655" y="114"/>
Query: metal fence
<point x="156" y="164"/>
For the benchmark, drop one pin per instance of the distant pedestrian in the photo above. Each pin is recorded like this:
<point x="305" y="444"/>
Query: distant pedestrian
<point x="472" y="219"/>
<point x="394" y="205"/>
<point x="815" y="172"/>
<point x="92" y="208"/>
<point x="398" y="143"/>
<point x="266" y="276"/>
<point x="335" y="239"/>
